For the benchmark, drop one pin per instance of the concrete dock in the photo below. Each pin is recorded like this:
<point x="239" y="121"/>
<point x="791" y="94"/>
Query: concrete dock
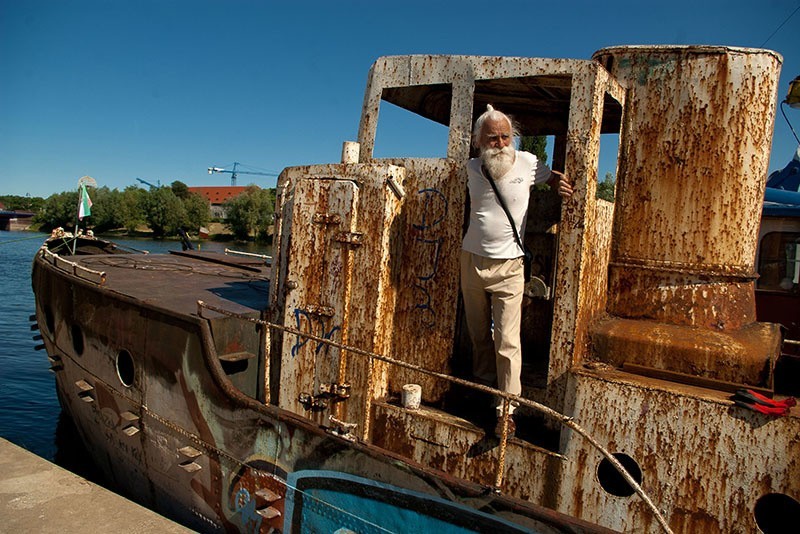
<point x="39" y="496"/>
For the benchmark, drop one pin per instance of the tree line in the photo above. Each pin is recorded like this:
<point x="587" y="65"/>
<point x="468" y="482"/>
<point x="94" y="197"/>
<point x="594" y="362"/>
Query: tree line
<point x="165" y="209"/>
<point x="162" y="209"/>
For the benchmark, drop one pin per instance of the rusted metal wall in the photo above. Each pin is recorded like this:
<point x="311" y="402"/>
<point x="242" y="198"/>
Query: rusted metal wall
<point x="399" y="288"/>
<point x="463" y="73"/>
<point x="423" y="248"/>
<point x="584" y="233"/>
<point x="703" y="461"/>
<point x="577" y="113"/>
<point x="445" y="443"/>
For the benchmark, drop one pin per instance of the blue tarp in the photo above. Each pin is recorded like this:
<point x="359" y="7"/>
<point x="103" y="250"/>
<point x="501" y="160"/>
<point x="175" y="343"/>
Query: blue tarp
<point x="782" y="195"/>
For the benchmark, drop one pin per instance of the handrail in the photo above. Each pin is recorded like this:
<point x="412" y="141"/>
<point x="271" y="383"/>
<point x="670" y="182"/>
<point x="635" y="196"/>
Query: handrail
<point x="58" y="261"/>
<point x="507" y="398"/>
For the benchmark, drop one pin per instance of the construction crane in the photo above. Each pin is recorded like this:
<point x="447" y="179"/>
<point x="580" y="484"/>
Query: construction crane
<point x="151" y="185"/>
<point x="233" y="172"/>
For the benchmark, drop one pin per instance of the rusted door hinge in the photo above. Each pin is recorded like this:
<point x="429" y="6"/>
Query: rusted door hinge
<point x="337" y="392"/>
<point x="354" y="239"/>
<point x="312" y="403"/>
<point x="326" y="218"/>
<point x="316" y="309"/>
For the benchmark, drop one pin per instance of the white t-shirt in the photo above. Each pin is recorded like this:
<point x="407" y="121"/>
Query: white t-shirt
<point x="489" y="233"/>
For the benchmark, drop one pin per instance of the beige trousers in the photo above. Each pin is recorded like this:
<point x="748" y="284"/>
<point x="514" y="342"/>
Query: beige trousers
<point x="493" y="291"/>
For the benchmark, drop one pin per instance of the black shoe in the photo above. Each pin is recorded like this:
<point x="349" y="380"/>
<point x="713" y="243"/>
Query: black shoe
<point x="512" y="427"/>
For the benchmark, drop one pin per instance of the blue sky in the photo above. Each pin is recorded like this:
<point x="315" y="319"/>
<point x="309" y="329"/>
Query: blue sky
<point x="161" y="90"/>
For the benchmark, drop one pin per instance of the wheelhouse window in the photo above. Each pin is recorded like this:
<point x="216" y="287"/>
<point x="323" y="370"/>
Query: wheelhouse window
<point x="402" y="133"/>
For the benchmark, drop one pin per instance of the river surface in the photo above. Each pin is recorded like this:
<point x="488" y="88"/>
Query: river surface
<point x="30" y="415"/>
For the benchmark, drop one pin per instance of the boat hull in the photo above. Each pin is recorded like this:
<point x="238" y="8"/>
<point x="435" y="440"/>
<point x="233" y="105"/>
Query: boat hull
<point x="180" y="438"/>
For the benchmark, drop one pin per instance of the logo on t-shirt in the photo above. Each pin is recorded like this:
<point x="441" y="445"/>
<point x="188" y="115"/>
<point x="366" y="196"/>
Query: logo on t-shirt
<point x="517" y="180"/>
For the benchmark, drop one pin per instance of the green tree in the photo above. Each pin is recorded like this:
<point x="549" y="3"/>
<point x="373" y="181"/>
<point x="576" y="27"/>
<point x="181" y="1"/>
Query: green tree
<point x="132" y="202"/>
<point x="535" y="144"/>
<point x="107" y="209"/>
<point x="605" y="189"/>
<point x="180" y="189"/>
<point x="198" y="211"/>
<point x="250" y="213"/>
<point x="59" y="209"/>
<point x="19" y="203"/>
<point x="164" y="212"/>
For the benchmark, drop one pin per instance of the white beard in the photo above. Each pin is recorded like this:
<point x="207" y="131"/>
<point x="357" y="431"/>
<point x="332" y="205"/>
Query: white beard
<point x="498" y="161"/>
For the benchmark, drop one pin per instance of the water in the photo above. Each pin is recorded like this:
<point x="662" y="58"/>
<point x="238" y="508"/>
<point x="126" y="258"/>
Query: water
<point x="29" y="410"/>
<point x="30" y="415"/>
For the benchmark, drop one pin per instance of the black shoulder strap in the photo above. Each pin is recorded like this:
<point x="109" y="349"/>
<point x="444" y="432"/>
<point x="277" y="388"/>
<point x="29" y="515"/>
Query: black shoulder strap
<point x="488" y="176"/>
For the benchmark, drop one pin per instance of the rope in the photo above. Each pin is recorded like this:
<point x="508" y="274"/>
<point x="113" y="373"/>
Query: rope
<point x="498" y="481"/>
<point x="38" y="236"/>
<point x="507" y="397"/>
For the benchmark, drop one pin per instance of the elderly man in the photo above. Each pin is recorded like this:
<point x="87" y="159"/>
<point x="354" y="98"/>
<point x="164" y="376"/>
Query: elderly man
<point x="492" y="279"/>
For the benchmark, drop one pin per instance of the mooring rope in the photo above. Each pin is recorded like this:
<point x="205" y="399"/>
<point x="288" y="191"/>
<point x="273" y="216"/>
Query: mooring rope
<point x="38" y="236"/>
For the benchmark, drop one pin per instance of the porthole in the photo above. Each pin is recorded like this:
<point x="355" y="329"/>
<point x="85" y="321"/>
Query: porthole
<point x="612" y="481"/>
<point x="776" y="513"/>
<point x="77" y="339"/>
<point x="125" y="368"/>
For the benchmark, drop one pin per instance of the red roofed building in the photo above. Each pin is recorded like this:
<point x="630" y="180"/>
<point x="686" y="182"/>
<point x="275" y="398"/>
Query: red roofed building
<point x="217" y="196"/>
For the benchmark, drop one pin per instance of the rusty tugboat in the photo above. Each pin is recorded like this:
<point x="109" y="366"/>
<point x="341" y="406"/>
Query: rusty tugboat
<point x="235" y="395"/>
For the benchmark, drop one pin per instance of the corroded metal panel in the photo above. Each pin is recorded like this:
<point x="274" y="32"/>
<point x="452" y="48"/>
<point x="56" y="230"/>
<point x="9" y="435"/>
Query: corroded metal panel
<point x="426" y="243"/>
<point x="402" y="300"/>
<point x="705" y="461"/>
<point x="374" y="284"/>
<point x="545" y="95"/>
<point x="584" y="233"/>
<point x="440" y="441"/>
<point x="319" y="269"/>
<point x="737" y="356"/>
<point x="693" y="165"/>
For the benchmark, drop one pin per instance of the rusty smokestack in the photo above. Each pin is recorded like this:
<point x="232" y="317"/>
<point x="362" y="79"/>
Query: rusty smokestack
<point x="694" y="154"/>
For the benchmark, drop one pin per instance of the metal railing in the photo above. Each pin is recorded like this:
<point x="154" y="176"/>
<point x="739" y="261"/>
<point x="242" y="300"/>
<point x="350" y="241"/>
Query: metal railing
<point x="98" y="277"/>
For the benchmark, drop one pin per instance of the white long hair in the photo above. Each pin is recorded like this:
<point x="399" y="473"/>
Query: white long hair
<point x="495" y="115"/>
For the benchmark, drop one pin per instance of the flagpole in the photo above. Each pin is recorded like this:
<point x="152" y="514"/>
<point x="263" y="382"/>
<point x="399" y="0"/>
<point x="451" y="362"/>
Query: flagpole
<point x="82" y="192"/>
<point x="77" y="218"/>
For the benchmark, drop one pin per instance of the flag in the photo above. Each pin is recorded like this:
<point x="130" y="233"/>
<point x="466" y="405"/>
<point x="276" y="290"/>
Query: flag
<point x="84" y="203"/>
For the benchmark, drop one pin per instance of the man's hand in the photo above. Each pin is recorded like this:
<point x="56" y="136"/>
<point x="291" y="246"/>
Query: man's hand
<point x="564" y="185"/>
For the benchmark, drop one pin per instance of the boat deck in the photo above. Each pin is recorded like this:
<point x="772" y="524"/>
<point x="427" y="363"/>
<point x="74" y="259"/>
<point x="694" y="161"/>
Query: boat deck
<point x="176" y="281"/>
